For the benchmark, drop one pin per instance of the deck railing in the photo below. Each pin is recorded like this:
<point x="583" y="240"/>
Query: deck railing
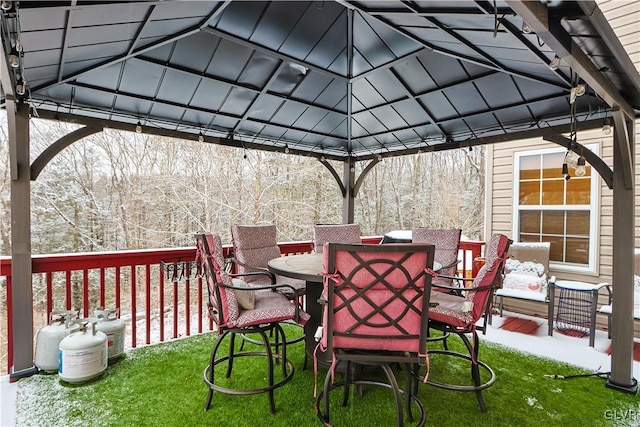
<point x="155" y="306"/>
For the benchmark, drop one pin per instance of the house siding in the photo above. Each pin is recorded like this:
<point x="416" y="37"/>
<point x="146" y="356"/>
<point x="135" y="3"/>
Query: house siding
<point x="624" y="17"/>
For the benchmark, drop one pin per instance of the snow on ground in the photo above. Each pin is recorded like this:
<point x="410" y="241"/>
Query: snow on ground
<point x="575" y="351"/>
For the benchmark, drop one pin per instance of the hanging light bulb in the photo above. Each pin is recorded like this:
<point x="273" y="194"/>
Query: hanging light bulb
<point x="21" y="86"/>
<point x="581" y="166"/>
<point x="200" y="137"/>
<point x="138" y="127"/>
<point x="14" y="58"/>
<point x="286" y="149"/>
<point x="555" y="63"/>
<point x="606" y="129"/>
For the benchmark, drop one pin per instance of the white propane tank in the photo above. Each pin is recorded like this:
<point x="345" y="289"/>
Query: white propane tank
<point x="113" y="327"/>
<point x="83" y="354"/>
<point x="61" y="324"/>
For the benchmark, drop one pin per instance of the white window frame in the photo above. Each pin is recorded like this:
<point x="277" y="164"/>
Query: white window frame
<point x="594" y="218"/>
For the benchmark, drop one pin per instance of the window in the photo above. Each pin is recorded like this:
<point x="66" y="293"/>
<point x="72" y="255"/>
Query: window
<point x="549" y="208"/>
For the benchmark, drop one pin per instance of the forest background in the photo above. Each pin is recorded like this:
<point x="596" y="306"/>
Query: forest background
<point x="117" y="190"/>
<point x="123" y="191"/>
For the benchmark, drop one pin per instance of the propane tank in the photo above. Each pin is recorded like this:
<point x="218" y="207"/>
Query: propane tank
<point x="113" y="327"/>
<point x="83" y="354"/>
<point x="61" y="324"/>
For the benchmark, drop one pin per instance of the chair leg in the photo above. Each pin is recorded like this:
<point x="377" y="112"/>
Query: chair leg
<point x="396" y="394"/>
<point x="475" y="369"/>
<point x="210" y="370"/>
<point x="272" y="401"/>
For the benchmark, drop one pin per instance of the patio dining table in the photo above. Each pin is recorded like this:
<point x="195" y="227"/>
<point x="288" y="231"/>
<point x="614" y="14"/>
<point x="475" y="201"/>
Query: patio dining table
<point x="308" y="267"/>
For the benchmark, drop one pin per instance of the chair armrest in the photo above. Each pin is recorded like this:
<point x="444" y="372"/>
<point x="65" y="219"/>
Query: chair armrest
<point x="452" y="264"/>
<point x="610" y="292"/>
<point x="259" y="270"/>
<point x="451" y="288"/>
<point x="274" y="288"/>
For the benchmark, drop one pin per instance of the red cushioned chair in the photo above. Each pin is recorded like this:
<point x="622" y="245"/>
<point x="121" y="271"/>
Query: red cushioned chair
<point x="335" y="233"/>
<point x="461" y="314"/>
<point x="376" y="313"/>
<point x="253" y="247"/>
<point x="268" y="310"/>
<point x="447" y="244"/>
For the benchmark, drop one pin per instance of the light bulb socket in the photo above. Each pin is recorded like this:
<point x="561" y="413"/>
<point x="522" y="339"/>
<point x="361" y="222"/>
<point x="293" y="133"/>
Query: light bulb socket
<point x="565" y="169"/>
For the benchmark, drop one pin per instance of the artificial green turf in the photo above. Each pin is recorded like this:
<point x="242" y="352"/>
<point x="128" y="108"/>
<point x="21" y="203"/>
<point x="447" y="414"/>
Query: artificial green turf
<point x="162" y="385"/>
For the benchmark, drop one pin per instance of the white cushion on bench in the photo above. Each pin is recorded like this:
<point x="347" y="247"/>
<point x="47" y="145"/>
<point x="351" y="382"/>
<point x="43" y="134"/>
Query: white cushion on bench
<point x="524" y="280"/>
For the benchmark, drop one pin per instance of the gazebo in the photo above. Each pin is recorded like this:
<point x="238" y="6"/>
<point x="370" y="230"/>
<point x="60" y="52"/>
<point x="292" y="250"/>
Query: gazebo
<point x="351" y="81"/>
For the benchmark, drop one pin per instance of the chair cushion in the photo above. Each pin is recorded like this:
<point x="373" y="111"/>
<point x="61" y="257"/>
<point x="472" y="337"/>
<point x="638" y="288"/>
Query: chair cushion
<point x="269" y="307"/>
<point x="254" y="245"/>
<point x="338" y="233"/>
<point x="525" y="276"/>
<point x="451" y="309"/>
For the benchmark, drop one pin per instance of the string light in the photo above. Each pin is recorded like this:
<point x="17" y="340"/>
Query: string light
<point x="606" y="129"/>
<point x="138" y="127"/>
<point x="200" y="137"/>
<point x="555" y="63"/>
<point x="526" y="28"/>
<point x="21" y="86"/>
<point x="581" y="166"/>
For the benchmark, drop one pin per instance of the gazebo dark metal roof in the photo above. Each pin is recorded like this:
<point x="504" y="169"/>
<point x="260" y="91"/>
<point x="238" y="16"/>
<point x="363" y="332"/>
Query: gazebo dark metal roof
<point x="333" y="79"/>
<point x="341" y="80"/>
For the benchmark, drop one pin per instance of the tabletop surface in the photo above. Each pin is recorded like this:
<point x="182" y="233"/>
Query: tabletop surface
<point x="305" y="266"/>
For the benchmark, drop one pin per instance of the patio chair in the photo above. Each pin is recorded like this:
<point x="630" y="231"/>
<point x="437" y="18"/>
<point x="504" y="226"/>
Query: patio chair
<point x="526" y="276"/>
<point x="447" y="244"/>
<point x="225" y="309"/>
<point x="460" y="315"/>
<point x="607" y="309"/>
<point x="335" y="233"/>
<point x="253" y="246"/>
<point x="376" y="313"/>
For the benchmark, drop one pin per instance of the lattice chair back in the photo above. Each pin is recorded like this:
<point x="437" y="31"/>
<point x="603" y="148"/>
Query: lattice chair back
<point x="335" y="233"/>
<point x="447" y="243"/>
<point x="377" y="297"/>
<point x="490" y="275"/>
<point x="222" y="302"/>
<point x="254" y="245"/>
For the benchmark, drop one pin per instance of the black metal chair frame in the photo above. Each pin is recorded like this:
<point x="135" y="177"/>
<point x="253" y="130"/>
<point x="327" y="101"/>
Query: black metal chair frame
<point x="473" y="345"/>
<point x="279" y="357"/>
<point x="355" y="358"/>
